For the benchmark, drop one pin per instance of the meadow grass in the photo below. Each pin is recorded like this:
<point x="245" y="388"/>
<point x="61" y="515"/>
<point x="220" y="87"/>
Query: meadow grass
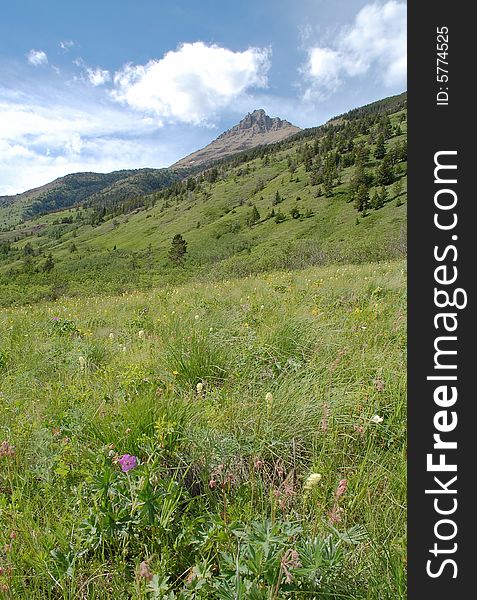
<point x="299" y="372"/>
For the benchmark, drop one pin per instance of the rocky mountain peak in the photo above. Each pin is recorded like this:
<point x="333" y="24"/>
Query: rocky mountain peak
<point x="255" y="129"/>
<point x="256" y="122"/>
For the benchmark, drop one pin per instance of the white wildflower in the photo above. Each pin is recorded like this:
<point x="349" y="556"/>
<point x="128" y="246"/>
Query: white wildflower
<point x="377" y="419"/>
<point x="312" y="481"/>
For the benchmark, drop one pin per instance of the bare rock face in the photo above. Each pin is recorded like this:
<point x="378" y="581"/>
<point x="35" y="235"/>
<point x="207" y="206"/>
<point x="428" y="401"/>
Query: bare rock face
<point x="257" y="122"/>
<point x="255" y="129"/>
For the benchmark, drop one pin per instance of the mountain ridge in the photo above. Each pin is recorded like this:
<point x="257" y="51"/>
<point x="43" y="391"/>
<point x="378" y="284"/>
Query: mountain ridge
<point x="255" y="129"/>
<point x="84" y="187"/>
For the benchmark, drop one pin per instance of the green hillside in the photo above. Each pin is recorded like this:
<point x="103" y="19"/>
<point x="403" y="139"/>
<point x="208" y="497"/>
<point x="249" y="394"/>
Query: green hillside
<point x="335" y="193"/>
<point x="82" y="188"/>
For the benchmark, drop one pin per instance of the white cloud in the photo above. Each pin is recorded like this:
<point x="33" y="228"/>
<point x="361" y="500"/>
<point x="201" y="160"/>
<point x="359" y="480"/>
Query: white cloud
<point x="74" y="144"/>
<point x="37" y="57"/>
<point x="193" y="82"/>
<point x="65" y="131"/>
<point x="98" y="76"/>
<point x="324" y="66"/>
<point x="95" y="76"/>
<point x="376" y="42"/>
<point x="66" y="45"/>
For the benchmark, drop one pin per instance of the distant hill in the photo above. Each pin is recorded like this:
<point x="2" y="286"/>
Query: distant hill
<point x="255" y="129"/>
<point x="83" y="188"/>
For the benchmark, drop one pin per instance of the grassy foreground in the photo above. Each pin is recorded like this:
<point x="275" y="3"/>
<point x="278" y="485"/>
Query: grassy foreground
<point x="299" y="373"/>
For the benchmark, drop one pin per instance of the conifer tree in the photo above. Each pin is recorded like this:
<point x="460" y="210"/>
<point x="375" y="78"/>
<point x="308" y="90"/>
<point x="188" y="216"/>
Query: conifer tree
<point x="361" y="199"/>
<point x="385" y="174"/>
<point x="380" y="150"/>
<point x="178" y="249"/>
<point x="397" y="188"/>
<point x="253" y="217"/>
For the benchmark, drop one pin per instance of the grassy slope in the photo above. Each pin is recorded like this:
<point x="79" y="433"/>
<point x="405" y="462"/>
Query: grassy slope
<point x="223" y="242"/>
<point x="328" y="343"/>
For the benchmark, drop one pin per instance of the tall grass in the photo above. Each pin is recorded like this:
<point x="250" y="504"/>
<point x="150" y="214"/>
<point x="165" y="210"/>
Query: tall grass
<point x="299" y="373"/>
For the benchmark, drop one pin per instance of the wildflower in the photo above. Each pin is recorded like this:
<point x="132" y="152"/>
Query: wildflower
<point x="312" y="481"/>
<point x="258" y="464"/>
<point x="141" y="334"/>
<point x="82" y="362"/>
<point x="341" y="489"/>
<point x="335" y="514"/>
<point x="6" y="449"/>
<point x="359" y="429"/>
<point x="191" y="575"/>
<point x="290" y="560"/>
<point x="127" y="462"/>
<point x="175" y="373"/>
<point x="200" y="387"/>
<point x="285" y="492"/>
<point x="196" y="317"/>
<point x="377" y="419"/>
<point x="145" y="571"/>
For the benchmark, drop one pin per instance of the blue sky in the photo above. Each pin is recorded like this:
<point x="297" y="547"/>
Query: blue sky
<point x="111" y="84"/>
